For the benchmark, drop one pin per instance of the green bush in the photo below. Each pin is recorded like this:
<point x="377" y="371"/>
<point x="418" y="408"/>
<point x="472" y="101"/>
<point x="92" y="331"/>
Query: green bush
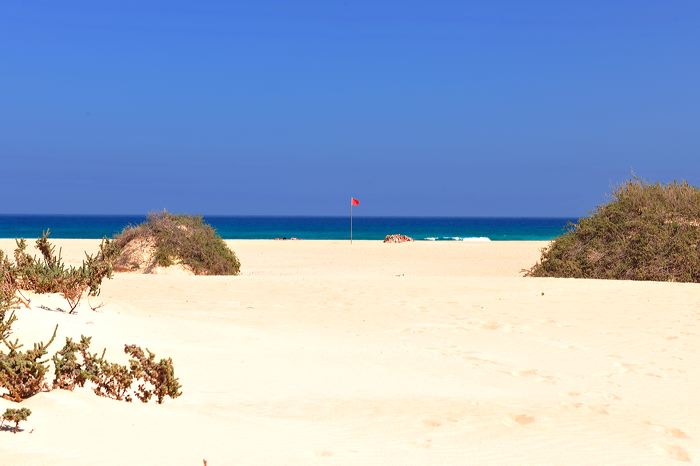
<point x="22" y="373"/>
<point x="114" y="381"/>
<point x="75" y="365"/>
<point x="49" y="274"/>
<point x="70" y="370"/>
<point x="646" y="232"/>
<point x="181" y="239"/>
<point x="156" y="378"/>
<point x="16" y="416"/>
<point x="8" y="285"/>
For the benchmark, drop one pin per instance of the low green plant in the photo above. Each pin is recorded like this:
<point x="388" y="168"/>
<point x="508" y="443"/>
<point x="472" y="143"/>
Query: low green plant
<point x="8" y="284"/>
<point x="6" y="323"/>
<point x="22" y="373"/>
<point x="114" y="381"/>
<point x="16" y="416"/>
<point x="155" y="378"/>
<point x="75" y="365"/>
<point x="646" y="232"/>
<point x="49" y="274"/>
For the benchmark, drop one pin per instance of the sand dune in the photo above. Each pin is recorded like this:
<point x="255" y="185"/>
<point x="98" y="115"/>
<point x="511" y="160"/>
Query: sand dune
<point x="394" y="354"/>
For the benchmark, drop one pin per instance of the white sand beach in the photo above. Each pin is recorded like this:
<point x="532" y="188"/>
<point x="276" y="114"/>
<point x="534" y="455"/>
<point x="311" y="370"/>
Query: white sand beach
<point x="430" y="353"/>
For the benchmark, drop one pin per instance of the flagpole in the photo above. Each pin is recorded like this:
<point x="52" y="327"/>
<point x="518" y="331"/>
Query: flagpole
<point x="350" y="220"/>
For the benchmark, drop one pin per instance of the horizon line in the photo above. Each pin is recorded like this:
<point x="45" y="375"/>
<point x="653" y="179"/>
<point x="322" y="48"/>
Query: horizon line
<point x="298" y="215"/>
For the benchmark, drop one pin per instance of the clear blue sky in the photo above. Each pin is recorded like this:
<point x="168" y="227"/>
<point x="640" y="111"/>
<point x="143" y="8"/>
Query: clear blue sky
<point x="498" y="108"/>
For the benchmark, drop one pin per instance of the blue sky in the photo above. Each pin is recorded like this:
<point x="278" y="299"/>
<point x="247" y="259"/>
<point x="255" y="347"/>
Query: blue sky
<point x="465" y="108"/>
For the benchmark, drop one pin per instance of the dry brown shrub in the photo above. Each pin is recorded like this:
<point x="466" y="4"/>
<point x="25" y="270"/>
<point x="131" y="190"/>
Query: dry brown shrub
<point x="646" y="232"/>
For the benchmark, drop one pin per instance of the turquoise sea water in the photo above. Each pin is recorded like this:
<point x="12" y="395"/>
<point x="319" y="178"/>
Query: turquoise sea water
<point x="420" y="228"/>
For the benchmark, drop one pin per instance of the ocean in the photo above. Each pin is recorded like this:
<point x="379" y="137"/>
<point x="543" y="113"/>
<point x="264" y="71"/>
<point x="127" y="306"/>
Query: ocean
<point x="253" y="227"/>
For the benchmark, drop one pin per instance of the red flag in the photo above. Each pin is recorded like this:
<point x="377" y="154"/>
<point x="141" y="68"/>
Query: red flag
<point x="354" y="201"/>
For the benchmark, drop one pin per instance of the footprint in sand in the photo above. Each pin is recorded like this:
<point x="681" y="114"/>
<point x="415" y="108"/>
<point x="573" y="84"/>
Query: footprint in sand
<point x="435" y="423"/>
<point x="523" y="419"/>
<point x="534" y="374"/>
<point x="624" y="367"/>
<point x="432" y="423"/>
<point x="491" y="326"/>
<point x="427" y="443"/>
<point x="672" y="432"/>
<point x="675" y="452"/>
<point x="505" y="328"/>
<point x="675" y="433"/>
<point x="598" y="409"/>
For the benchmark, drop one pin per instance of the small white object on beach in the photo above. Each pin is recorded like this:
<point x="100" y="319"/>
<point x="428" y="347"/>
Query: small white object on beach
<point x="470" y="239"/>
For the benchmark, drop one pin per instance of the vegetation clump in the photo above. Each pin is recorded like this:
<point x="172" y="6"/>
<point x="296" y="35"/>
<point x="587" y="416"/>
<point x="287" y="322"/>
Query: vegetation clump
<point x="75" y="365"/>
<point x="646" y="232"/>
<point x="22" y="373"/>
<point x="49" y="274"/>
<point x="166" y="239"/>
<point x="155" y="378"/>
<point x="16" y="416"/>
<point x="114" y="381"/>
<point x="9" y="287"/>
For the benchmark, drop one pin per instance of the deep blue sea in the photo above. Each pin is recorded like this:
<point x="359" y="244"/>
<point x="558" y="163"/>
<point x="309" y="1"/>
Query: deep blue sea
<point x="420" y="228"/>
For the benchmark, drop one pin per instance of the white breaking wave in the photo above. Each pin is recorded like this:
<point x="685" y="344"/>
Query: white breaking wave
<point x="471" y="239"/>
